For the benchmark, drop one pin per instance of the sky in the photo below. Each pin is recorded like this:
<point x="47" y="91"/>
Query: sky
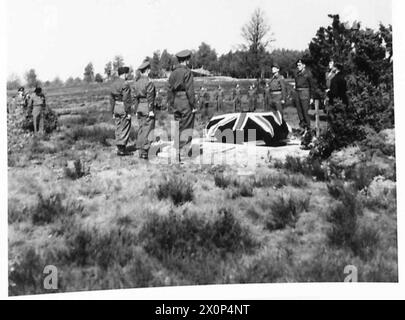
<point x="58" y="38"/>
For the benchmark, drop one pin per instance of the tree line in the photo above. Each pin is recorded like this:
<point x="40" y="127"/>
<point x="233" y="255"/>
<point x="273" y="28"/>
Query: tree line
<point x="252" y="59"/>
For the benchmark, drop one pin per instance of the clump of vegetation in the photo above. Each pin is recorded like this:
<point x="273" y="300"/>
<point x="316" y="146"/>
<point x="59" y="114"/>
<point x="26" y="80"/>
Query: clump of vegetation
<point x="175" y="188"/>
<point x="88" y="246"/>
<point x="284" y="212"/>
<point x="50" y="121"/>
<point x="224" y="181"/>
<point x="92" y="134"/>
<point x="308" y="167"/>
<point x="195" y="246"/>
<point x="75" y="169"/>
<point x="25" y="274"/>
<point x="49" y="209"/>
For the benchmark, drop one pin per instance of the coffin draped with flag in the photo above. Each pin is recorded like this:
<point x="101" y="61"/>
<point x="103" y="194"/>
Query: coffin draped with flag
<point x="270" y="127"/>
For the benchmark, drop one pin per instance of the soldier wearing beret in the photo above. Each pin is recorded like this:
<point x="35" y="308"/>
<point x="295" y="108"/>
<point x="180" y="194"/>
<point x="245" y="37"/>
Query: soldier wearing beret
<point x="144" y="96"/>
<point x="181" y="99"/>
<point x="277" y="90"/>
<point x="121" y="103"/>
<point x="37" y="105"/>
<point x="304" y="94"/>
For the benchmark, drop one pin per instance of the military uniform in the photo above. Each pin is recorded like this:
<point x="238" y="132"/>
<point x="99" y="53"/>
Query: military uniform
<point x="219" y="98"/>
<point x="203" y="99"/>
<point x="237" y="101"/>
<point x="304" y="91"/>
<point x="37" y="107"/>
<point x="252" y="93"/>
<point x="144" y="95"/>
<point x="181" y="100"/>
<point x="277" y="93"/>
<point x="121" y="102"/>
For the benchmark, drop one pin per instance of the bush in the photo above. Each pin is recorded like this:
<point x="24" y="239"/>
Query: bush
<point x="284" y="212"/>
<point x="75" y="169"/>
<point x="193" y="246"/>
<point x="177" y="189"/>
<point x="92" y="134"/>
<point x="49" y="209"/>
<point x="88" y="246"/>
<point x="343" y="217"/>
<point x="222" y="181"/>
<point x="309" y="166"/>
<point x="25" y="274"/>
<point x="50" y="121"/>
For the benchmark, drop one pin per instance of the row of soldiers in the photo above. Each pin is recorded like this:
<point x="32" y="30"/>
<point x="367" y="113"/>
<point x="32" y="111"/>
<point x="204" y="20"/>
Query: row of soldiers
<point x="275" y="95"/>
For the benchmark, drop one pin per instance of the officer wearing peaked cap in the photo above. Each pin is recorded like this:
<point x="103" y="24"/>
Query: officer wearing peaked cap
<point x="277" y="89"/>
<point x="121" y="102"/>
<point x="144" y="97"/>
<point x="181" y="100"/>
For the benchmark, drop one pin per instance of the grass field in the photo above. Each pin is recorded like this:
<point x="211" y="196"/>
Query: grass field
<point x="108" y="222"/>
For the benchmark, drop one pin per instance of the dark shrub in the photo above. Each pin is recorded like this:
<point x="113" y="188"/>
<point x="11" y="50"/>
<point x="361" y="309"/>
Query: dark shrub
<point x="26" y="274"/>
<point x="284" y="212"/>
<point x="194" y="246"/>
<point x="177" y="189"/>
<point x="50" y="209"/>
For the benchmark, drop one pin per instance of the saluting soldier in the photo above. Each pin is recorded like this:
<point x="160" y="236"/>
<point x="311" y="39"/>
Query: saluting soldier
<point x="37" y="105"/>
<point x="121" y="103"/>
<point x="181" y="99"/>
<point x="237" y="102"/>
<point x="277" y="89"/>
<point x="219" y="98"/>
<point x="144" y="94"/>
<point x="304" y="94"/>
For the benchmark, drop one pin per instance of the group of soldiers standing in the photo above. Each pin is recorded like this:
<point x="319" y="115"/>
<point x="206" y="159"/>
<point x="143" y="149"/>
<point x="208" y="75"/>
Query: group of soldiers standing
<point x="183" y="102"/>
<point x="142" y="98"/>
<point x="31" y="105"/>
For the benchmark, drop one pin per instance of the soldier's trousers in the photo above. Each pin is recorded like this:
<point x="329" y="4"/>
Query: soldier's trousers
<point x="220" y="105"/>
<point x="275" y="103"/>
<point x="38" y="119"/>
<point x="146" y="125"/>
<point x="252" y="104"/>
<point x="185" y="117"/>
<point x="301" y="101"/>
<point x="237" y="105"/>
<point x="122" y="129"/>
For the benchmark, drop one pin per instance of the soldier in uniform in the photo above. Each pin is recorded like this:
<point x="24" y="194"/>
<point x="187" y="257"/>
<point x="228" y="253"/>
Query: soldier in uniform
<point x="252" y="98"/>
<point x="329" y="75"/>
<point x="237" y="101"/>
<point x="21" y="100"/>
<point x="144" y="95"/>
<point x="203" y="98"/>
<point x="219" y="98"/>
<point x="37" y="106"/>
<point x="181" y="99"/>
<point x="277" y="90"/>
<point x="121" y="103"/>
<point x="304" y="93"/>
<point x="266" y="97"/>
